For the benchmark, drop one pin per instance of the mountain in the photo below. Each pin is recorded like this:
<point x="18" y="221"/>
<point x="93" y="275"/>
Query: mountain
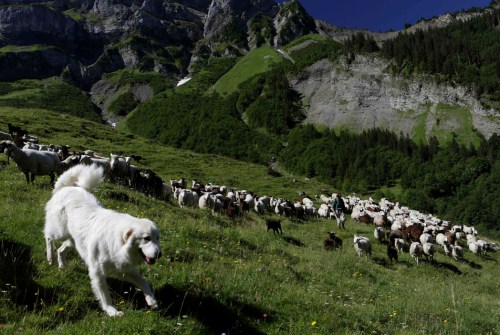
<point x="125" y="52"/>
<point x="89" y="38"/>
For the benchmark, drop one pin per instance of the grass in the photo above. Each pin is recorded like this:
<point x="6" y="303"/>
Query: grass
<point x="448" y="121"/>
<point x="24" y="48"/>
<point x="51" y="94"/>
<point x="219" y="276"/>
<point x="298" y="41"/>
<point x="256" y="61"/>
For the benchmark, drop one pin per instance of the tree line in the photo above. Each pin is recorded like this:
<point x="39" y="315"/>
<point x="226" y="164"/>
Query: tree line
<point x="462" y="52"/>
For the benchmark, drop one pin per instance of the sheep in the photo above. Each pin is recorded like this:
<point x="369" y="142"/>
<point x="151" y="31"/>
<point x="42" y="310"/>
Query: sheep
<point x="380" y="219"/>
<point x="166" y="192"/>
<point x="260" y="207"/>
<point x="475" y="248"/>
<point x="448" y="248"/>
<point x="425" y="237"/>
<point x="457" y="252"/>
<point x="310" y="211"/>
<point x="5" y="136"/>
<point x="68" y="163"/>
<point x="392" y="253"/>
<point x="401" y="245"/>
<point x="469" y="230"/>
<point x="203" y="200"/>
<point x="41" y="163"/>
<point x="379" y="234"/>
<point x="429" y="250"/>
<point x="215" y="202"/>
<point x="101" y="162"/>
<point x="416" y="250"/>
<point x="120" y="166"/>
<point x="441" y="239"/>
<point x="324" y="211"/>
<point x="188" y="198"/>
<point x="233" y="210"/>
<point x="362" y="245"/>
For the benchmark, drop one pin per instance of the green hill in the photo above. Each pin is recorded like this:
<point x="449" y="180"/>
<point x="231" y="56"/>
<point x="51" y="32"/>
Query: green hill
<point x="255" y="62"/>
<point x="222" y="276"/>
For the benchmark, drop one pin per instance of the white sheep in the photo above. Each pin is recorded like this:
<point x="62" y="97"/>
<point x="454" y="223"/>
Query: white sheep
<point x="416" y="250"/>
<point x="401" y="245"/>
<point x="448" y="249"/>
<point x="362" y="245"/>
<point x="36" y="163"/>
<point x="441" y="239"/>
<point x="475" y="248"/>
<point x="188" y="198"/>
<point x="101" y="162"/>
<point x="324" y="211"/>
<point x="471" y="238"/>
<point x="120" y="166"/>
<point x="429" y="250"/>
<point x="426" y="238"/>
<point x="260" y="207"/>
<point x="203" y="200"/>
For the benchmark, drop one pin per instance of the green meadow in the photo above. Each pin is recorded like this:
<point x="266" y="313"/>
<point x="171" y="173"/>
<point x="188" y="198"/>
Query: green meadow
<point x="221" y="276"/>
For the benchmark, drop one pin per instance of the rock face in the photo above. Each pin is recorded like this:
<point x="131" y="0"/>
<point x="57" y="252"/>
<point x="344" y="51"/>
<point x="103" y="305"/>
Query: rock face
<point x="241" y="11"/>
<point x="363" y="95"/>
<point x="91" y="37"/>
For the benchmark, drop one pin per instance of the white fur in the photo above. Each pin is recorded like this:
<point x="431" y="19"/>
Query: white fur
<point x="110" y="243"/>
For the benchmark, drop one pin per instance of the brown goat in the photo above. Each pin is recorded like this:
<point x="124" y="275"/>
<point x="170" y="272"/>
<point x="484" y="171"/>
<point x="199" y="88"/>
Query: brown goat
<point x="332" y="242"/>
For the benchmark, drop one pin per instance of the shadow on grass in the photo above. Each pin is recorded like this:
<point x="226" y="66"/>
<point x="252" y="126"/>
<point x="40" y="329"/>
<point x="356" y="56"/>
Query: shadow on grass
<point x="472" y="264"/>
<point x="17" y="273"/>
<point x="489" y="258"/>
<point x="230" y="316"/>
<point x="447" y="266"/>
<point x="383" y="262"/>
<point x="293" y="241"/>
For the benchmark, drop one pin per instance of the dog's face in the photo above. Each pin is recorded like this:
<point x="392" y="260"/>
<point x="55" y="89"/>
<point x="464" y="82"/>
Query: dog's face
<point x="143" y="241"/>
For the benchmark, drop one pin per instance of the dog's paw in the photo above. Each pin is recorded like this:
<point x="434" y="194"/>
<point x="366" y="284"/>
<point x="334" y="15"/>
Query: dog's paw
<point x="152" y="303"/>
<point x="111" y="311"/>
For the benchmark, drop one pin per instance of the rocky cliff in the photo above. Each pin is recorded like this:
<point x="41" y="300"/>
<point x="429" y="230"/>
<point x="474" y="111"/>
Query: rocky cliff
<point x="87" y="38"/>
<point x="363" y="95"/>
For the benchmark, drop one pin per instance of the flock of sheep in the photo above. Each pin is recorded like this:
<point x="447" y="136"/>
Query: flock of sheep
<point x="402" y="229"/>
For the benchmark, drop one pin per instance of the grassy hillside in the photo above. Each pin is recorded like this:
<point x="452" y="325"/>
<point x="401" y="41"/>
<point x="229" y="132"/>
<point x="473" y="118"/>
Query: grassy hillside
<point x="437" y="120"/>
<point x="256" y="61"/>
<point x="219" y="276"/>
<point x="52" y="94"/>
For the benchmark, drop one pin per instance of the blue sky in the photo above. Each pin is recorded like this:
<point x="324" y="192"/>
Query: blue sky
<point x="382" y="15"/>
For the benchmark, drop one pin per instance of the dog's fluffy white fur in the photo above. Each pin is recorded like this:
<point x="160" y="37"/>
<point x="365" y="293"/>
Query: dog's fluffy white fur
<point x="110" y="243"/>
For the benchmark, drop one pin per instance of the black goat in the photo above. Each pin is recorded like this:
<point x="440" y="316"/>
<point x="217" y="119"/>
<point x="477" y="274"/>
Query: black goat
<point x="275" y="225"/>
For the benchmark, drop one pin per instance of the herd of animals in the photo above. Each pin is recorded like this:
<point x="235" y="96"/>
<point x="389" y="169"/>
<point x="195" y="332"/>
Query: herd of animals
<point x="400" y="228"/>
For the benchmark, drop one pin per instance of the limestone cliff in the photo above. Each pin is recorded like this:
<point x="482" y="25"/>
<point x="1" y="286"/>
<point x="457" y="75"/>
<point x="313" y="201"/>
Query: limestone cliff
<point x="363" y="95"/>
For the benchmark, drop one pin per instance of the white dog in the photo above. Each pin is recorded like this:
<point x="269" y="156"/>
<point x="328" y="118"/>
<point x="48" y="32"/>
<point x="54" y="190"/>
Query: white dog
<point x="110" y="243"/>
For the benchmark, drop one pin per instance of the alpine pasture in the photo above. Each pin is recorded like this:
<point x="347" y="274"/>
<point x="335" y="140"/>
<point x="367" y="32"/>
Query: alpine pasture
<point x="219" y="275"/>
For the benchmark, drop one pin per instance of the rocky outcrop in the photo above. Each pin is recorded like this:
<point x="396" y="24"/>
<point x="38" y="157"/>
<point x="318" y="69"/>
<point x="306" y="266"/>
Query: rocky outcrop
<point x="32" y="64"/>
<point x="39" y="24"/>
<point x="292" y="21"/>
<point x="95" y="36"/>
<point x="363" y="95"/>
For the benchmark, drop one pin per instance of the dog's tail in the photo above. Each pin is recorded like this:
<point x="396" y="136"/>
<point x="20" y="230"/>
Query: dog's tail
<point x="85" y="176"/>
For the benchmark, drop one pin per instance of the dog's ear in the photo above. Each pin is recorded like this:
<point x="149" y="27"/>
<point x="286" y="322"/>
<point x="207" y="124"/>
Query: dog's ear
<point x="127" y="235"/>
